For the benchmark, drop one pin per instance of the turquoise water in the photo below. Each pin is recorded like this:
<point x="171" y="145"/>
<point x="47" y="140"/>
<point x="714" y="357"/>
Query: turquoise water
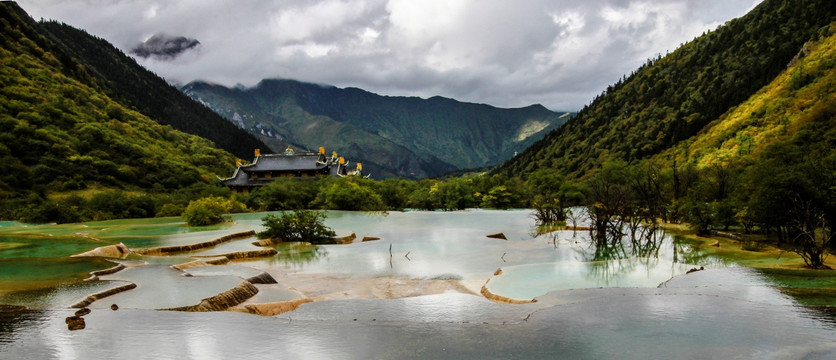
<point x="418" y="245"/>
<point x="596" y="300"/>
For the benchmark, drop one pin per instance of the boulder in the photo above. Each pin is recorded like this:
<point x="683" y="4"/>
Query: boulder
<point x="112" y="251"/>
<point x="75" y="323"/>
<point x="348" y="239"/>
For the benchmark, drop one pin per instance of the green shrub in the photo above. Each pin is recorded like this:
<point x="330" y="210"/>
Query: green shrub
<point x="207" y="211"/>
<point x="752" y="245"/>
<point x="348" y="194"/>
<point x="300" y="225"/>
<point x="171" y="210"/>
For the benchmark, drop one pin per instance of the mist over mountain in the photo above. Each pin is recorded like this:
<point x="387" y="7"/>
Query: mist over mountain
<point x="396" y="136"/>
<point x="122" y="78"/>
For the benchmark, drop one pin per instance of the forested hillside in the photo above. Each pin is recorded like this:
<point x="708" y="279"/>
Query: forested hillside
<point x="396" y="136"/>
<point x="672" y="98"/>
<point x="60" y="134"/>
<point x="771" y="161"/>
<point x="121" y="78"/>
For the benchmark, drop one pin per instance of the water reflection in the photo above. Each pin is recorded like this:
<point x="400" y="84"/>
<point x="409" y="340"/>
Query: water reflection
<point x="645" y="259"/>
<point x="296" y="254"/>
<point x="598" y="324"/>
<point x="717" y="313"/>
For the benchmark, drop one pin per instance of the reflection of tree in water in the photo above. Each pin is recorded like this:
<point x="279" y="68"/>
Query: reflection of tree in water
<point x="614" y="255"/>
<point x="297" y="254"/>
<point x="605" y="248"/>
<point x="689" y="252"/>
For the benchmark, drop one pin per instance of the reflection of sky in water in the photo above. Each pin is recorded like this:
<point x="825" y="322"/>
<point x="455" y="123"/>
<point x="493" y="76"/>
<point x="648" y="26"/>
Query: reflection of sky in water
<point x="722" y="312"/>
<point x="597" y="324"/>
<point x="447" y="245"/>
<point x="161" y="287"/>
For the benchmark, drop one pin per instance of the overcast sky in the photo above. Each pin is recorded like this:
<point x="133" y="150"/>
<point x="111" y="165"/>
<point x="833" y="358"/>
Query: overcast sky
<point x="559" y="53"/>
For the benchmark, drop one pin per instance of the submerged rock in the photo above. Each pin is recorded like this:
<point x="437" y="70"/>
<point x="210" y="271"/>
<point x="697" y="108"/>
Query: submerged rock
<point x="192" y="247"/>
<point x="90" y="299"/>
<point x="275" y="308"/>
<point x="94" y="275"/>
<point x="251" y="254"/>
<point x="11" y="308"/>
<point x="225" y="258"/>
<point x="82" y="312"/>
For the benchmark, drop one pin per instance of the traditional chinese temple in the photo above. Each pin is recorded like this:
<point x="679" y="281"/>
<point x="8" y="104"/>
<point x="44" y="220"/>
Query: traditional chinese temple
<point x="267" y="167"/>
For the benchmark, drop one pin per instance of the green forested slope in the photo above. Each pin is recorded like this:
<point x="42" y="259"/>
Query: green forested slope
<point x="672" y="98"/>
<point x="772" y="160"/>
<point x="121" y="78"/>
<point x="58" y="133"/>
<point x="798" y="106"/>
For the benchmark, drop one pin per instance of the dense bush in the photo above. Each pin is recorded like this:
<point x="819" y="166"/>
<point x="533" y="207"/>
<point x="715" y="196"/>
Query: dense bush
<point x="210" y="210"/>
<point x="300" y="225"/>
<point x="348" y="194"/>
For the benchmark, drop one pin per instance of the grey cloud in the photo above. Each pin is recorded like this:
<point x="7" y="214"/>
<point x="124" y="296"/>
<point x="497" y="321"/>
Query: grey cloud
<point x="164" y="47"/>
<point x="560" y="53"/>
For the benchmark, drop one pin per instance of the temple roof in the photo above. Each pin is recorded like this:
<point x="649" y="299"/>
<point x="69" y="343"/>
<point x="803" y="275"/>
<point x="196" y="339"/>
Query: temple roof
<point x="239" y="178"/>
<point x="295" y="164"/>
<point x="277" y="162"/>
<point x="280" y="162"/>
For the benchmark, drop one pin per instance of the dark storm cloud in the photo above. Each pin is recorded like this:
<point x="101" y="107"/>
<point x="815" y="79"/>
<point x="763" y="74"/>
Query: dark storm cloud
<point x="556" y="52"/>
<point x="164" y="47"/>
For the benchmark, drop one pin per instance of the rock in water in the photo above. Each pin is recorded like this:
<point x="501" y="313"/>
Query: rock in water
<point x="111" y="251"/>
<point x="75" y="323"/>
<point x="263" y="278"/>
<point x="114" y="307"/>
<point x="348" y="239"/>
<point x="498" y="236"/>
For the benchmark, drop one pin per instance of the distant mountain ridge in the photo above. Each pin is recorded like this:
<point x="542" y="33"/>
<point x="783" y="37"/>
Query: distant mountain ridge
<point x="397" y="136"/>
